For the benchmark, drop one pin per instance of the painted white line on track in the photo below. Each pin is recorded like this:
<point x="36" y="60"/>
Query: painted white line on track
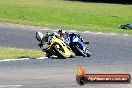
<point x="99" y="33"/>
<point x="126" y="35"/>
<point x="43" y="29"/>
<point x="8" y="60"/>
<point x="42" y="58"/>
<point x="111" y="34"/>
<point x="88" y="32"/>
<point x="11" y="86"/>
<point x="14" y="59"/>
<point x="85" y="31"/>
<point x="72" y="31"/>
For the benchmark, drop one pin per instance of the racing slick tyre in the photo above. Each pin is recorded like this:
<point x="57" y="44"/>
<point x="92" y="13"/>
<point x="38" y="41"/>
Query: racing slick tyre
<point x="81" y="52"/>
<point x="48" y="55"/>
<point x="88" y="52"/>
<point x="59" y="52"/>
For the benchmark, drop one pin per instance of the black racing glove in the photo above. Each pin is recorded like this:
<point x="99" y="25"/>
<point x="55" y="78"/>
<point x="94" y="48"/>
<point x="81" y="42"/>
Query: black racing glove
<point x="40" y="45"/>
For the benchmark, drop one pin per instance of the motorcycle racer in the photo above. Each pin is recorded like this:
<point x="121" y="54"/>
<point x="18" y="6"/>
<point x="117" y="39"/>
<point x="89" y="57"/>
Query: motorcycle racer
<point x="67" y="38"/>
<point x="41" y="39"/>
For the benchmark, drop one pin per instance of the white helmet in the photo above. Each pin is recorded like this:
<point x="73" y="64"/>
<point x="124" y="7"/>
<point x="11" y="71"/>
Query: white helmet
<point x="61" y="33"/>
<point x="39" y="36"/>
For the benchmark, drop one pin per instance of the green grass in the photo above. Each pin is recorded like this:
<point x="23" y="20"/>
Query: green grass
<point x="67" y="15"/>
<point x="13" y="53"/>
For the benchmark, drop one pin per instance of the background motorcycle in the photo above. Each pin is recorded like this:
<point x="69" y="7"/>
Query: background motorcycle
<point x="78" y="46"/>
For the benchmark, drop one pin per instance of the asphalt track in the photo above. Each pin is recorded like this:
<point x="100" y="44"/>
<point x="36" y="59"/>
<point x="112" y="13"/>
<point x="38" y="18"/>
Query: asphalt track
<point x="111" y="54"/>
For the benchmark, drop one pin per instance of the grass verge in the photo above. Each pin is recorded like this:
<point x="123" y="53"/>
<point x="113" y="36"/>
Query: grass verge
<point x="96" y="17"/>
<point x="13" y="53"/>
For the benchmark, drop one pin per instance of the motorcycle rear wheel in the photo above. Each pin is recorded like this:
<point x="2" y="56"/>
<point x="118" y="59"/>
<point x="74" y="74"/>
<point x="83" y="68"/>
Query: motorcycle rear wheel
<point x="81" y="51"/>
<point x="88" y="52"/>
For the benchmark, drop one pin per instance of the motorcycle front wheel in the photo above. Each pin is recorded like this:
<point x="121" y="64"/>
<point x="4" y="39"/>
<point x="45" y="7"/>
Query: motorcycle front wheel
<point x="59" y="51"/>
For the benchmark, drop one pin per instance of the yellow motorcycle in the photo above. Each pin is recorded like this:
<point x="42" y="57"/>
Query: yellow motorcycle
<point x="57" y="47"/>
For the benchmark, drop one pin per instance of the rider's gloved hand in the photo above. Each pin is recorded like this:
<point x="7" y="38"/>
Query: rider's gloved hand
<point x="40" y="45"/>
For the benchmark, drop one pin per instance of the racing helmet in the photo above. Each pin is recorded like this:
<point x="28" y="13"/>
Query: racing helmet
<point x="39" y="36"/>
<point x="47" y="33"/>
<point x="61" y="32"/>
